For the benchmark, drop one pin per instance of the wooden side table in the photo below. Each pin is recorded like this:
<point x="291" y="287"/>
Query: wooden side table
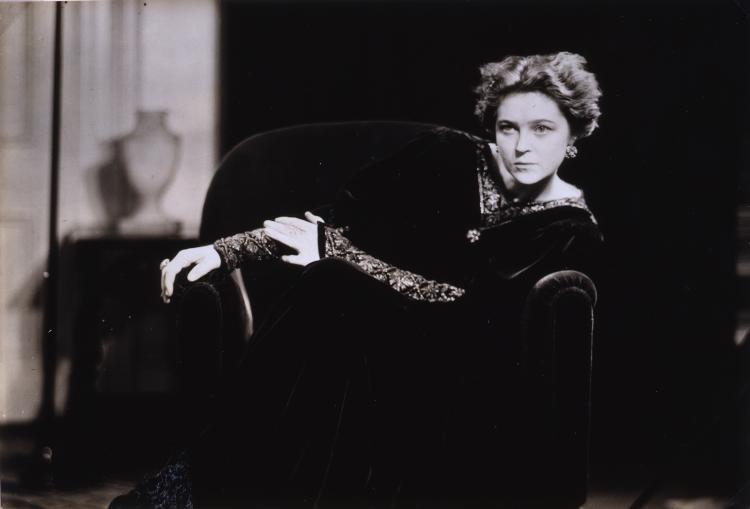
<point x="123" y="395"/>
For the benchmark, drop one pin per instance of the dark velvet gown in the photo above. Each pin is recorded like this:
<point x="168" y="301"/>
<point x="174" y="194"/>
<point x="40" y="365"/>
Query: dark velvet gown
<point x="389" y="373"/>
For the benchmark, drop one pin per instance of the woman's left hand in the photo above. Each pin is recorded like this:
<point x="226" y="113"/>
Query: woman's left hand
<point x="300" y="235"/>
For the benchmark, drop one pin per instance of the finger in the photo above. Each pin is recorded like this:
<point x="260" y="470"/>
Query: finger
<point x="170" y="272"/>
<point x="165" y="270"/>
<point x="163" y="285"/>
<point x="293" y="259"/>
<point x="313" y="218"/>
<point x="183" y="259"/>
<point x="283" y="238"/>
<point x="281" y="227"/>
<point x="294" y="233"/>
<point x="162" y="265"/>
<point x="199" y="271"/>
<point x="295" y="222"/>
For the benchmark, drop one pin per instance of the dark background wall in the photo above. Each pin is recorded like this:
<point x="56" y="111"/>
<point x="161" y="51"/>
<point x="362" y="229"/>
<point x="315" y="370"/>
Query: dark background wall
<point x="662" y="174"/>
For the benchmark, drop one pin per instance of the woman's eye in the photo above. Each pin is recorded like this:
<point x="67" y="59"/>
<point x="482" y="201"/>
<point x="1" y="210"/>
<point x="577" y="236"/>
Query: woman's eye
<point x="505" y="128"/>
<point x="542" y="128"/>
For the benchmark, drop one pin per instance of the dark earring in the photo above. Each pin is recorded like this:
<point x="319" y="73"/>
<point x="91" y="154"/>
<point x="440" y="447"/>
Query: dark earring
<point x="570" y="152"/>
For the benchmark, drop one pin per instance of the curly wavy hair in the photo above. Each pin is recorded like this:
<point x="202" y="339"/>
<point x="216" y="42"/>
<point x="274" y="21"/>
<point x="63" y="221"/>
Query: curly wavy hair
<point x="561" y="76"/>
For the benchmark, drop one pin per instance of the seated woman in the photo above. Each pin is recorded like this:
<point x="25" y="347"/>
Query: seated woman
<point x="387" y="373"/>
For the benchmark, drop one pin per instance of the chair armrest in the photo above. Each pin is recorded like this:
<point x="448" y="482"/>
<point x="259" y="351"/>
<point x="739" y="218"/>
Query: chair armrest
<point x="558" y="329"/>
<point x="213" y="325"/>
<point x="246" y="312"/>
<point x="553" y="286"/>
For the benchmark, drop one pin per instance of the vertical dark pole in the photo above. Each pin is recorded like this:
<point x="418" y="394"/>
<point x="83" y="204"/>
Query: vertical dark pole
<point x="47" y="411"/>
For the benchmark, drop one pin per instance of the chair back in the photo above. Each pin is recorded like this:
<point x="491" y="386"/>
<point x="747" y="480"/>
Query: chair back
<point x="293" y="169"/>
<point x="286" y="172"/>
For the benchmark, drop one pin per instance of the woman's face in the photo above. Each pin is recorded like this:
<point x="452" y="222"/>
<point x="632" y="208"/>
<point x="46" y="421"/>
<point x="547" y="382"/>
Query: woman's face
<point x="531" y="133"/>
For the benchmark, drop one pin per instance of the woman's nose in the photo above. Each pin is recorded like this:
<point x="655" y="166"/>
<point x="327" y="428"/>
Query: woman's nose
<point x="523" y="142"/>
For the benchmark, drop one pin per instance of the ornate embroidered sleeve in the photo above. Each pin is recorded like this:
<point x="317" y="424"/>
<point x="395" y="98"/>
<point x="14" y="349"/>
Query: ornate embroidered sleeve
<point x="253" y="245"/>
<point x="407" y="283"/>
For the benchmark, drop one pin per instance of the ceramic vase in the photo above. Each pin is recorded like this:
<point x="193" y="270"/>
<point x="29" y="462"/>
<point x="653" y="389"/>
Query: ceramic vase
<point x="149" y="156"/>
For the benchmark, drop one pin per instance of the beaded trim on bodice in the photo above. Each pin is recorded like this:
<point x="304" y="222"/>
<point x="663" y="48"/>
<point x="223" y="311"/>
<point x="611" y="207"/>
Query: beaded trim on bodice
<point x="495" y="209"/>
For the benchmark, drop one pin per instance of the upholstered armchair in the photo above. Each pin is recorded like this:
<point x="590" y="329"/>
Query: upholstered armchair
<point x="290" y="170"/>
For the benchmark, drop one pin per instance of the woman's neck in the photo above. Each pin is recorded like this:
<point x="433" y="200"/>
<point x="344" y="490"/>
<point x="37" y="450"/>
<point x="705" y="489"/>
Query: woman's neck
<point x="553" y="188"/>
<point x="556" y="189"/>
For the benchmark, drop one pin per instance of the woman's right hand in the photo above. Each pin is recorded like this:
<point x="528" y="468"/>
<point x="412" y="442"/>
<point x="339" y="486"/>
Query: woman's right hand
<point x="205" y="258"/>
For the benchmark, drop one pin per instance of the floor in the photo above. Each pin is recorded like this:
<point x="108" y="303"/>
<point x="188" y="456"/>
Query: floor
<point x="98" y="497"/>
<point x="48" y="493"/>
<point x="91" y="497"/>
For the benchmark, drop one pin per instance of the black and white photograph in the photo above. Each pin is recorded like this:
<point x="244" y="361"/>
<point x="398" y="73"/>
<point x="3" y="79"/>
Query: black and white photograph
<point x="349" y="254"/>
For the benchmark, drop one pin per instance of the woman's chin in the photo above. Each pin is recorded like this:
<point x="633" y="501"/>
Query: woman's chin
<point x="527" y="178"/>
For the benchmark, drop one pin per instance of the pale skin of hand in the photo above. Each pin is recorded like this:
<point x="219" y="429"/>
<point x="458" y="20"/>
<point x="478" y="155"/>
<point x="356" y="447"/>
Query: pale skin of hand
<point x="299" y="234"/>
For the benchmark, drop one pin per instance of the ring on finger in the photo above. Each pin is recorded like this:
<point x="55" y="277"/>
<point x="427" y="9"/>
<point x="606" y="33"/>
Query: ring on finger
<point x="163" y="263"/>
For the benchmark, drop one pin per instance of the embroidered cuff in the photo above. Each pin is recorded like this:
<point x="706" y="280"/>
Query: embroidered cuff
<point x="254" y="245"/>
<point x="407" y="283"/>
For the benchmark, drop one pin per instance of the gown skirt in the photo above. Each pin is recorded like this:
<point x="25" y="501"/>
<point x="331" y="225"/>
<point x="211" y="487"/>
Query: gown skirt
<point x="342" y="399"/>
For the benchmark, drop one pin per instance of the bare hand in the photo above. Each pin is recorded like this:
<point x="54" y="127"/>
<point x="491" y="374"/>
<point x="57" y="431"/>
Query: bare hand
<point x="205" y="258"/>
<point x="300" y="235"/>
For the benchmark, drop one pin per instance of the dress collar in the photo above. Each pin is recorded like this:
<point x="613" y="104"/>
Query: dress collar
<point x="496" y="209"/>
